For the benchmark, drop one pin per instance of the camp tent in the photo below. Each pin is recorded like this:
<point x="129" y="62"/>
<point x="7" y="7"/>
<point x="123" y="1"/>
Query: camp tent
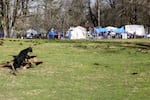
<point x="30" y="33"/>
<point x="139" y="30"/>
<point x="78" y="32"/>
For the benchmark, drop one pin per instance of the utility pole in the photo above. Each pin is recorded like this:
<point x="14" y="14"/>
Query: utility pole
<point x="99" y="12"/>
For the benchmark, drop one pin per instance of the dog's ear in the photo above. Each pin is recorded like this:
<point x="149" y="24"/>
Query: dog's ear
<point x="30" y="49"/>
<point x="14" y="56"/>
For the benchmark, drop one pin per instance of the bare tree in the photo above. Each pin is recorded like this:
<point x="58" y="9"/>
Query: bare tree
<point x="122" y="12"/>
<point x="51" y="14"/>
<point x="9" y="13"/>
<point x="91" y="16"/>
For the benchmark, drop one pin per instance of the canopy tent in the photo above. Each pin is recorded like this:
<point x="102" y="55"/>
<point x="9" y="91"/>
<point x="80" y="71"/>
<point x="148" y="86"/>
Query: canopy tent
<point x="78" y="32"/>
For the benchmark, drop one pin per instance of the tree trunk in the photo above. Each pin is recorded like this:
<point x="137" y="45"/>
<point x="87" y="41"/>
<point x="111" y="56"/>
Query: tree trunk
<point x="4" y="26"/>
<point x="9" y="14"/>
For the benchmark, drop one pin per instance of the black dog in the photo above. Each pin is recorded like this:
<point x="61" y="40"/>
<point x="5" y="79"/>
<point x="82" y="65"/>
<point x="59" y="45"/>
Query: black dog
<point x="20" y="59"/>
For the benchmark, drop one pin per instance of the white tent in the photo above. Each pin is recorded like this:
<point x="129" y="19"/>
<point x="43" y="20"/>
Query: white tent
<point x="30" y="33"/>
<point x="135" y="29"/>
<point x="77" y="33"/>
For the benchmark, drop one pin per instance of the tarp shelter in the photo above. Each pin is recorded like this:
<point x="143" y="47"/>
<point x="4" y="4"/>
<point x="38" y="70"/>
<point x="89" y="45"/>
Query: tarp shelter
<point x="111" y="29"/>
<point x="119" y="30"/>
<point x="30" y="33"/>
<point x="135" y="29"/>
<point x="78" y="32"/>
<point x="100" y="30"/>
<point x="115" y="29"/>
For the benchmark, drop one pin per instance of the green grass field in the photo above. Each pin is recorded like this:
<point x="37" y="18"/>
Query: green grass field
<point x="78" y="70"/>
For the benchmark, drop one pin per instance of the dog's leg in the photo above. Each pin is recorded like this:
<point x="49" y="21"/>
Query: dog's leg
<point x="13" y="69"/>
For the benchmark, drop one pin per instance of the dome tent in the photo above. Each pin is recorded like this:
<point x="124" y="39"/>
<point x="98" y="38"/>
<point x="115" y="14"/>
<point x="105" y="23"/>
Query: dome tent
<point x="31" y="33"/>
<point x="78" y="32"/>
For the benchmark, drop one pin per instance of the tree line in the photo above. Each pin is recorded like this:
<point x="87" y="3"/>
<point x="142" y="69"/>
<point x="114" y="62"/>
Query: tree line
<point x="19" y="15"/>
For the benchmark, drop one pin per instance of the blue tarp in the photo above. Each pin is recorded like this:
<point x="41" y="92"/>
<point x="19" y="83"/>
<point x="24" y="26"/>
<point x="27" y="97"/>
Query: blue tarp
<point x="117" y="30"/>
<point x="99" y="30"/>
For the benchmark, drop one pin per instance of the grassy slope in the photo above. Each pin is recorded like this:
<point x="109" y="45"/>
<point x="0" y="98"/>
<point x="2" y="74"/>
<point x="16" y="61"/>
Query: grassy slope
<point x="78" y="70"/>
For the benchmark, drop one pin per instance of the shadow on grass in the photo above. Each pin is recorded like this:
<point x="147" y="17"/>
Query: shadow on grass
<point x="109" y="44"/>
